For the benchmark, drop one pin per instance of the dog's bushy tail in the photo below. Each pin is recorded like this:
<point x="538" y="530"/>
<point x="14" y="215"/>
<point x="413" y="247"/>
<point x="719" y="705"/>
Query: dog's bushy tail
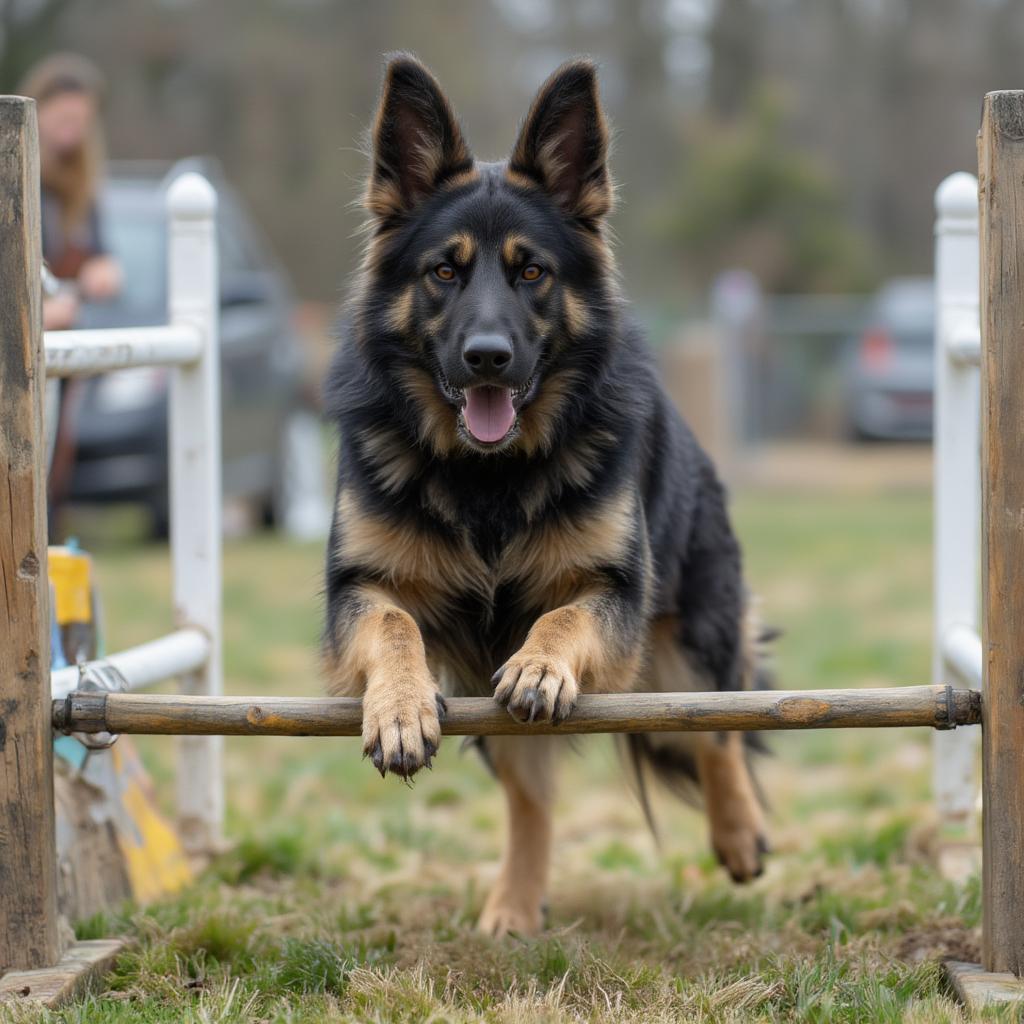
<point x="669" y="758"/>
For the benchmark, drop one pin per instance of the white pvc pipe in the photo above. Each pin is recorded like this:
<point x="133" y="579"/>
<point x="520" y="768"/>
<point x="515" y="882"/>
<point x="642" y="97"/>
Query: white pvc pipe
<point x="81" y="353"/>
<point x="178" y="653"/>
<point x="957" y="497"/>
<point x="195" y="492"/>
<point x="961" y="649"/>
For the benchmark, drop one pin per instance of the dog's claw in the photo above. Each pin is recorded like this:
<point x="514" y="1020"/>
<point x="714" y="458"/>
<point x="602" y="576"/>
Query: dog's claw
<point x="536" y="691"/>
<point x="405" y="738"/>
<point x="535" y="704"/>
<point x="377" y="756"/>
<point x="563" y="709"/>
<point x="397" y="763"/>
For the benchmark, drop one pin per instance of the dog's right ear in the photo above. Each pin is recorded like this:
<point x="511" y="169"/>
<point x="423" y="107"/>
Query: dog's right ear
<point x="417" y="141"/>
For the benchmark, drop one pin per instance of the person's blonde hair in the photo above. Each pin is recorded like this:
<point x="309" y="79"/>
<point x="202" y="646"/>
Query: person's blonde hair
<point x="73" y="180"/>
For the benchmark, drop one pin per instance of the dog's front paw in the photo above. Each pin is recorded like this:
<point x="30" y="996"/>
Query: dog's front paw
<point x="535" y="688"/>
<point x="402" y="724"/>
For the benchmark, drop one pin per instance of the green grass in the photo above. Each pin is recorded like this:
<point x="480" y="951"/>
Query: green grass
<point x="346" y="897"/>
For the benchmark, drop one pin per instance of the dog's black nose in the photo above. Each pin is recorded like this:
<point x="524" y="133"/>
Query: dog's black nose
<point x="487" y="353"/>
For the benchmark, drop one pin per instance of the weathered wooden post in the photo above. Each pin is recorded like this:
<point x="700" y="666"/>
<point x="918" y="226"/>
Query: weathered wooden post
<point x="28" y="859"/>
<point x="1001" y="186"/>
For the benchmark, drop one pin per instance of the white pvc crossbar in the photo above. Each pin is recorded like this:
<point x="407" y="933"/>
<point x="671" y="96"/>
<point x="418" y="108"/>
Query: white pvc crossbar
<point x="176" y="654"/>
<point x="80" y="353"/>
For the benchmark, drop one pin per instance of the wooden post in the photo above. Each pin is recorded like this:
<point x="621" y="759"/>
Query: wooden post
<point x="28" y="859"/>
<point x="1001" y="188"/>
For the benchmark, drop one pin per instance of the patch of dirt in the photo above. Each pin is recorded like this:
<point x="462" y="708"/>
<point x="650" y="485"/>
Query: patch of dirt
<point x="945" y="939"/>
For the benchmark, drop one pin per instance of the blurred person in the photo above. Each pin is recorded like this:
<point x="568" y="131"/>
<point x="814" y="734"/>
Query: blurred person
<point x="68" y="90"/>
<point x="60" y="305"/>
<point x="60" y="311"/>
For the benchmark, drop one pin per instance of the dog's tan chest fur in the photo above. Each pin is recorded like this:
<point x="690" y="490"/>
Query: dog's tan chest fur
<point x="428" y="573"/>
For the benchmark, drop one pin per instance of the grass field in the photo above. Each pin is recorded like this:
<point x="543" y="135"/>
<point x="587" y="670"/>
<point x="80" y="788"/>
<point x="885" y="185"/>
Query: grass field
<point x="346" y="897"/>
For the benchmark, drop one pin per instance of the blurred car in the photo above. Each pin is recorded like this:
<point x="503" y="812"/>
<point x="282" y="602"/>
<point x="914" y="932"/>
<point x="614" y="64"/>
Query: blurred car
<point x="121" y="417"/>
<point x="889" y="373"/>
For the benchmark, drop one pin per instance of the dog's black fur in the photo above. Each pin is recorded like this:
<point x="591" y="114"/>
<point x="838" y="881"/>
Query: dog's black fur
<point x="598" y="498"/>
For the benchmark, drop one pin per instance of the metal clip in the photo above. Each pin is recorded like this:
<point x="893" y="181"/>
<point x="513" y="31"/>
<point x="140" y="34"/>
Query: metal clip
<point x="104" y="677"/>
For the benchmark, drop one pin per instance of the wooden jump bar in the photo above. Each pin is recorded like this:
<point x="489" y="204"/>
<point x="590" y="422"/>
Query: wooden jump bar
<point x="939" y="707"/>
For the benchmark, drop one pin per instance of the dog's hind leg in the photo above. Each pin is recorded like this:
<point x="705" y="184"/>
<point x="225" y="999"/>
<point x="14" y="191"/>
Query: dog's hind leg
<point x="734" y="811"/>
<point x="711" y="767"/>
<point x="525" y="766"/>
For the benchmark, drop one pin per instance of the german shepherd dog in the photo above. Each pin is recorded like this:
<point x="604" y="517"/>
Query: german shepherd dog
<point x="520" y="510"/>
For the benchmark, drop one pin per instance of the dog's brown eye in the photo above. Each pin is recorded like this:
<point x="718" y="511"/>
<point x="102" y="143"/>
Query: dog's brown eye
<point x="532" y="272"/>
<point x="444" y="272"/>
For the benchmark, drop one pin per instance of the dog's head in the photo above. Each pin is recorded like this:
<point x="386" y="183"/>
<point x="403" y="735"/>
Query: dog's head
<point x="485" y="284"/>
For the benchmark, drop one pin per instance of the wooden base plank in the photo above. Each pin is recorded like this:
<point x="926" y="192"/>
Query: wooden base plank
<point x="52" y="986"/>
<point x="978" y="988"/>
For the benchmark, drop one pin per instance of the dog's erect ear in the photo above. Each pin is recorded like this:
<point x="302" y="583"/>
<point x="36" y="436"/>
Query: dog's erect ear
<point x="417" y="142"/>
<point x="563" y="144"/>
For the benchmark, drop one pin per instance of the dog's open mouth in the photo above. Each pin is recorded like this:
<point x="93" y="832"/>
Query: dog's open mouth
<point x="488" y="411"/>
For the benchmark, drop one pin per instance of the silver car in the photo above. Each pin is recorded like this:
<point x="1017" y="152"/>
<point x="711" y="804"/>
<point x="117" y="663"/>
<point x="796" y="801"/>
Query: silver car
<point x="889" y="373"/>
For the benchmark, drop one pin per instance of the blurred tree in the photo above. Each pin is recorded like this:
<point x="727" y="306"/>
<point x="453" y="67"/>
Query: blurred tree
<point x="28" y="30"/>
<point x="883" y="93"/>
<point x="750" y="199"/>
<point x="734" y="41"/>
<point x="888" y="94"/>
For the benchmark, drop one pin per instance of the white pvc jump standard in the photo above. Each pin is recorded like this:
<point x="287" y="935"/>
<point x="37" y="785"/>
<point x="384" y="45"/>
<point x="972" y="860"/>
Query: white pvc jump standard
<point x="956" y="645"/>
<point x="195" y="494"/>
<point x="189" y="346"/>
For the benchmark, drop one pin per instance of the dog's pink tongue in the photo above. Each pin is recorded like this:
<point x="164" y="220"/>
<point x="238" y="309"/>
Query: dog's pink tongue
<point x="489" y="412"/>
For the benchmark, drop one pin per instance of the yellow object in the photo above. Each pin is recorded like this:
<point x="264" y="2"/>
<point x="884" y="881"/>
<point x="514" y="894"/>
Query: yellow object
<point x="155" y="859"/>
<point x="70" y="573"/>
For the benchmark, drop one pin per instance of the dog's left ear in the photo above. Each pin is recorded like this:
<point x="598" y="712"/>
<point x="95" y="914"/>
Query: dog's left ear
<point x="563" y="143"/>
<point x="417" y="141"/>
